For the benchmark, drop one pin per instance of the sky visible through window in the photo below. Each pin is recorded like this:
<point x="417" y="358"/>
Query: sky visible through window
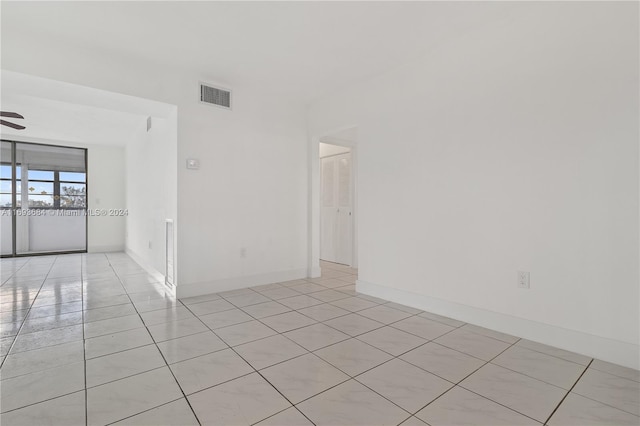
<point x="41" y="186"/>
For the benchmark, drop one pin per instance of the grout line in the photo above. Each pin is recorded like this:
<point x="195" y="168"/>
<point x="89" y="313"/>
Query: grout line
<point x="354" y="377"/>
<point x="249" y="364"/>
<point x="57" y="396"/>
<point x="567" y="394"/>
<point x="410" y="413"/>
<point x="145" y="411"/>
<point x="603" y="403"/>
<point x="14" y="272"/>
<point x="555" y="356"/>
<point x="586" y="368"/>
<point x="161" y="354"/>
<point x="117" y="352"/>
<point x="260" y="321"/>
<point x="84" y="354"/>
<point x="256" y="370"/>
<point x="456" y="384"/>
<point x="126" y="377"/>
<point x="496" y="402"/>
<point x="617" y="375"/>
<point x="536" y="378"/>
<point x="320" y="358"/>
<point x="44" y="400"/>
<point x="15" y="338"/>
<point x="292" y="407"/>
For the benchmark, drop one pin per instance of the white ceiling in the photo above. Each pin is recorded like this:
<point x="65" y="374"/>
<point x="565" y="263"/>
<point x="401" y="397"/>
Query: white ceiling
<point x="348" y="136"/>
<point x="64" y="112"/>
<point x="300" y="49"/>
<point x="57" y="121"/>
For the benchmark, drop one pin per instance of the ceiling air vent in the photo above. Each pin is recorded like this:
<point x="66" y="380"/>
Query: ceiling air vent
<point x="215" y="96"/>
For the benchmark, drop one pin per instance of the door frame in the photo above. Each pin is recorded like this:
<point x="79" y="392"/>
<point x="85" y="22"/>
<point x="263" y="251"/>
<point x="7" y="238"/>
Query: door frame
<point x="14" y="252"/>
<point x="315" y="193"/>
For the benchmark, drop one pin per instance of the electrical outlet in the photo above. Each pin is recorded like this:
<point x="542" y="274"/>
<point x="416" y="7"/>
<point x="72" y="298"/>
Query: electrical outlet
<point x="523" y="279"/>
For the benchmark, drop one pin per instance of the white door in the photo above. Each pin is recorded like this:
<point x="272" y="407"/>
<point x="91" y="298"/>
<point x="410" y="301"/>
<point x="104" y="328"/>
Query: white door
<point x="336" y="221"/>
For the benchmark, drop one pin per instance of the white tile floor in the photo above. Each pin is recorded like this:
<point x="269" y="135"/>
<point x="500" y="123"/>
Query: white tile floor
<point x="92" y="339"/>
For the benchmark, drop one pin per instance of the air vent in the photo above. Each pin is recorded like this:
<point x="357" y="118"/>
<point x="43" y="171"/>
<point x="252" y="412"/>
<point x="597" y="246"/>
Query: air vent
<point x="215" y="96"/>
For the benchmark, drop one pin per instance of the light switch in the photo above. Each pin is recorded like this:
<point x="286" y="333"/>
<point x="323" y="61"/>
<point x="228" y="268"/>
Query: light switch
<point x="193" y="164"/>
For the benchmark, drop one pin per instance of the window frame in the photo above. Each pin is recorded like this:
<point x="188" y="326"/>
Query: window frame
<point x="10" y="180"/>
<point x="57" y="184"/>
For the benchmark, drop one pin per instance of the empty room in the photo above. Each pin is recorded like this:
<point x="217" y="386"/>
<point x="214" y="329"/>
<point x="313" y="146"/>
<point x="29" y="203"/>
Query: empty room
<point x="320" y="213"/>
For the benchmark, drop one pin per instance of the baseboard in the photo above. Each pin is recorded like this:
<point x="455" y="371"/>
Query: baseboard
<point x="105" y="249"/>
<point x="610" y="350"/>
<point x="226" y="284"/>
<point x="146" y="266"/>
<point x="314" y="272"/>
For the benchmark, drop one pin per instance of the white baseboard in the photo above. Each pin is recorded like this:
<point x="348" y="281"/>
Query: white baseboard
<point x="610" y="350"/>
<point x="105" y="249"/>
<point x="314" y="272"/>
<point x="147" y="267"/>
<point x="216" y="286"/>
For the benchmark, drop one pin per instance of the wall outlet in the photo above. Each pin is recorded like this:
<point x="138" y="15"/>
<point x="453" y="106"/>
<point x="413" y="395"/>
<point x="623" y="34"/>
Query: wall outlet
<point x="523" y="279"/>
<point x="243" y="252"/>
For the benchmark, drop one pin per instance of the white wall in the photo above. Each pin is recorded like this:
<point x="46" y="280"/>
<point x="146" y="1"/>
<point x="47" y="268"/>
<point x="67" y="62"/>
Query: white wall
<point x="251" y="190"/>
<point x="511" y="149"/>
<point x="249" y="195"/>
<point x="151" y="178"/>
<point x="106" y="182"/>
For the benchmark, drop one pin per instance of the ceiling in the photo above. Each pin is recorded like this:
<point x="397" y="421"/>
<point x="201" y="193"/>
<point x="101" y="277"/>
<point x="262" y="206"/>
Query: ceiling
<point x="63" y="112"/>
<point x="299" y="49"/>
<point x="347" y="136"/>
<point x="67" y="122"/>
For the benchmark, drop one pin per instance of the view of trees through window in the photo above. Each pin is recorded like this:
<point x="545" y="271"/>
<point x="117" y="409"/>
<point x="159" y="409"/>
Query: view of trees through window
<point x="46" y="189"/>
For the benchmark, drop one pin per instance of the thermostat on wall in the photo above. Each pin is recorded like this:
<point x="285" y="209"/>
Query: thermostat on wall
<point x="192" y="163"/>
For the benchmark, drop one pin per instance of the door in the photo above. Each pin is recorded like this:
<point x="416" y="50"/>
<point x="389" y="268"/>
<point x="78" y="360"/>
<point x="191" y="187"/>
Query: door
<point x="44" y="192"/>
<point x="6" y="198"/>
<point x="336" y="222"/>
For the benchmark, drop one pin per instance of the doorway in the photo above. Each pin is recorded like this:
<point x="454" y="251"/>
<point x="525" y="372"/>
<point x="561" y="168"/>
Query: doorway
<point x="43" y="199"/>
<point x="336" y="210"/>
<point x="344" y="139"/>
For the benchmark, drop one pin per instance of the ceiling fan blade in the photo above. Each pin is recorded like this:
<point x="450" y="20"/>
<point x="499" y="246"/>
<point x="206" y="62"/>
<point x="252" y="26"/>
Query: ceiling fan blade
<point x="10" y="114"/>
<point x="15" y="126"/>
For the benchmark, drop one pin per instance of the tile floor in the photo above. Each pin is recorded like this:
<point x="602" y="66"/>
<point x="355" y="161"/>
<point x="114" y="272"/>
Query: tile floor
<point x="92" y="339"/>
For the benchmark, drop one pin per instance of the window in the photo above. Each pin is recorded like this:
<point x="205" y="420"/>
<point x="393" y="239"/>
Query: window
<point x="73" y="190"/>
<point x="5" y="185"/>
<point x="47" y="189"/>
<point x="41" y="189"/>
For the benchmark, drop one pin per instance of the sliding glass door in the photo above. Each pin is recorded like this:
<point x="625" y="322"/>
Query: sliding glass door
<point x="6" y="199"/>
<point x="44" y="199"/>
